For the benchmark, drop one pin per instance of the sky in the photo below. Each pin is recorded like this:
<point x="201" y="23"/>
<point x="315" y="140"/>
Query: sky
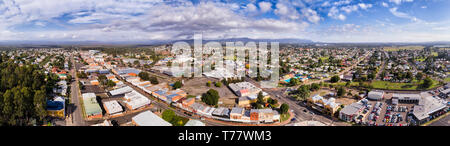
<point x="143" y="20"/>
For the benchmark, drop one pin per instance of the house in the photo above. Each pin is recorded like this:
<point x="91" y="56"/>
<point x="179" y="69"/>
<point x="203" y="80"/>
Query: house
<point x="94" y="82"/>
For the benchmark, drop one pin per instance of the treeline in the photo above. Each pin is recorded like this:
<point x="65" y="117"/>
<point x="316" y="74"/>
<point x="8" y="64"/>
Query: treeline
<point x="23" y="91"/>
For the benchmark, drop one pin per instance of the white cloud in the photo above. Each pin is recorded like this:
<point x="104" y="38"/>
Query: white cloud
<point x="334" y="13"/>
<point x="349" y="9"/>
<point x="265" y="6"/>
<point x="311" y="15"/>
<point x="286" y="11"/>
<point x="384" y="4"/>
<point x="365" y="6"/>
<point x="398" y="2"/>
<point x="251" y="7"/>
<point x="402" y="14"/>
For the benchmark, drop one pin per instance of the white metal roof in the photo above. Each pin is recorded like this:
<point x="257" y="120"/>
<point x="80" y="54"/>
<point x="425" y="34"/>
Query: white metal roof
<point x="148" y="118"/>
<point x="113" y="106"/>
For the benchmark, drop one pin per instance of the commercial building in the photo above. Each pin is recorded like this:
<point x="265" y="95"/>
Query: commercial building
<point x="148" y="118"/>
<point x="121" y="91"/>
<point x="112" y="107"/>
<point x="55" y="107"/>
<point x="236" y="113"/>
<point x="244" y="89"/>
<point x="375" y="95"/>
<point x="91" y="106"/>
<point x="428" y="108"/>
<point x="405" y="98"/>
<point x="135" y="100"/>
<point x="349" y="112"/>
<point x="327" y="106"/>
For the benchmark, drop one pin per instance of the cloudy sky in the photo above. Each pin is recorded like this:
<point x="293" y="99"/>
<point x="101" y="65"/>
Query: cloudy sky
<point x="140" y="20"/>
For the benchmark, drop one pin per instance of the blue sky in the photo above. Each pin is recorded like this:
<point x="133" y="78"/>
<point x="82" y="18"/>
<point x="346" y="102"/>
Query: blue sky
<point x="140" y="20"/>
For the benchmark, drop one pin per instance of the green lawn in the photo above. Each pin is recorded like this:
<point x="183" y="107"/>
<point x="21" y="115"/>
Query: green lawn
<point x="447" y="80"/>
<point x="400" y="86"/>
<point x="434" y="54"/>
<point x="324" y="58"/>
<point x="343" y="84"/>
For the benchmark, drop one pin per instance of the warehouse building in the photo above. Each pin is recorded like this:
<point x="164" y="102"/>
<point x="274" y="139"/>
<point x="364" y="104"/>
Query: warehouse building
<point x="148" y="118"/>
<point x="120" y="92"/>
<point x="375" y="95"/>
<point x="135" y="100"/>
<point x="112" y="107"/>
<point x="91" y="106"/>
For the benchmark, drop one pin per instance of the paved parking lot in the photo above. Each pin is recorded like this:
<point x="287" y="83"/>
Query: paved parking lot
<point x="442" y="122"/>
<point x="381" y="117"/>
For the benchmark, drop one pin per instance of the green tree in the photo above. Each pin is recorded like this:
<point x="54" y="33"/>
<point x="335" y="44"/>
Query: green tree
<point x="260" y="98"/>
<point x="427" y="83"/>
<point x="284" y="108"/>
<point x="303" y="92"/>
<point x="144" y="76"/>
<point x="154" y="80"/>
<point x="211" y="97"/>
<point x="40" y="104"/>
<point x="419" y="76"/>
<point x="335" y="79"/>
<point x="315" y="86"/>
<point x="177" y="85"/>
<point x="218" y="84"/>
<point x="208" y="83"/>
<point x="341" y="91"/>
<point x="294" y="82"/>
<point x="110" y="83"/>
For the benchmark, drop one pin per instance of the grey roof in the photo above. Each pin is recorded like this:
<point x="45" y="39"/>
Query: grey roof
<point x="148" y="118"/>
<point x="375" y="95"/>
<point x="352" y="108"/>
<point x="237" y="110"/>
<point x="122" y="90"/>
<point x="406" y="96"/>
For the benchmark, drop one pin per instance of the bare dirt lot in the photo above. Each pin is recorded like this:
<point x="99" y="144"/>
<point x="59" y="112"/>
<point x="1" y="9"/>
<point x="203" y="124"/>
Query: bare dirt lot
<point x="197" y="86"/>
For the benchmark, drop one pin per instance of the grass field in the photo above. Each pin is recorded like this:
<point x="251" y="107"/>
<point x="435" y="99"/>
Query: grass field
<point x="403" y="48"/>
<point x="324" y="58"/>
<point x="434" y="54"/>
<point x="400" y="86"/>
<point x="447" y="80"/>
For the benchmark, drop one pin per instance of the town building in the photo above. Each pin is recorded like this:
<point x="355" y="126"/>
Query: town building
<point x="55" y="107"/>
<point x="112" y="107"/>
<point x="148" y="118"/>
<point x="91" y="106"/>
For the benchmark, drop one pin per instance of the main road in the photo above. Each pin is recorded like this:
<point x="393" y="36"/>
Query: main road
<point x="75" y="108"/>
